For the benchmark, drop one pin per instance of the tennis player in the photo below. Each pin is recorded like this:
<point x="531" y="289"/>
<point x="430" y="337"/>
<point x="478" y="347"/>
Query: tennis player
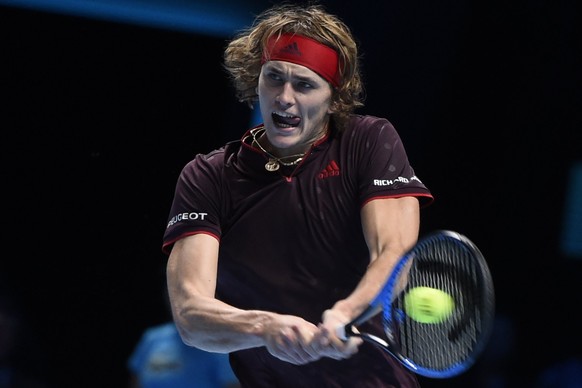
<point x="277" y="238"/>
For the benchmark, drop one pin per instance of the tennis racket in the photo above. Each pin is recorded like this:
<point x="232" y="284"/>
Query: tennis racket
<point x="444" y="269"/>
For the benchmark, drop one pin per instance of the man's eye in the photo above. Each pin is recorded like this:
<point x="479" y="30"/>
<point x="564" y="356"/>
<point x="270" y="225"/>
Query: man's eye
<point x="305" y="85"/>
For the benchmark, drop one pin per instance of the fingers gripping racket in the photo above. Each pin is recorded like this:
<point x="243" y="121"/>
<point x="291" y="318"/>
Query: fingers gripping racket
<point x="438" y="307"/>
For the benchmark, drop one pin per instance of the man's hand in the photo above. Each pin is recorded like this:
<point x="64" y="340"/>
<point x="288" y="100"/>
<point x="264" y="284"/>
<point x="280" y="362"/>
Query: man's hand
<point x="327" y="340"/>
<point x="291" y="339"/>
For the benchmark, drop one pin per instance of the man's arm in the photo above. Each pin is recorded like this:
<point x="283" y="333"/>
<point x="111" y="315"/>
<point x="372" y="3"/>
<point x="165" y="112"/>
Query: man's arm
<point x="212" y="325"/>
<point x="391" y="227"/>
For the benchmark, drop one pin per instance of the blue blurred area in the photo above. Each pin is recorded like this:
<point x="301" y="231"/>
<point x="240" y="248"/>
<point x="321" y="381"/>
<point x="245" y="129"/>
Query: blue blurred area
<point x="572" y="228"/>
<point x="214" y="18"/>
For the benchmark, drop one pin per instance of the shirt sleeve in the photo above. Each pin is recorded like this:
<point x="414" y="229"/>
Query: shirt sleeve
<point x="383" y="167"/>
<point x="196" y="203"/>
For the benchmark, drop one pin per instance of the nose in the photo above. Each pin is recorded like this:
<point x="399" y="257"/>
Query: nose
<point x="286" y="96"/>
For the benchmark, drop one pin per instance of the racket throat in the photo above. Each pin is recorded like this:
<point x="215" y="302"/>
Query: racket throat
<point x="389" y="347"/>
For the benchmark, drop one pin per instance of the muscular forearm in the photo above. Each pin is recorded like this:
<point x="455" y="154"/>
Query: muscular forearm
<point x="212" y="325"/>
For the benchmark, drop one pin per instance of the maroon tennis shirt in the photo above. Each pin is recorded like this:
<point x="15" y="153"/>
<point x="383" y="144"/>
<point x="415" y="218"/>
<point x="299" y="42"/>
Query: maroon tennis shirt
<point x="291" y="240"/>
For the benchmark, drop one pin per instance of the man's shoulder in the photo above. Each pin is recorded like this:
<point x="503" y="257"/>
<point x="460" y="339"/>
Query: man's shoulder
<point x="362" y="122"/>
<point x="361" y="127"/>
<point x="216" y="158"/>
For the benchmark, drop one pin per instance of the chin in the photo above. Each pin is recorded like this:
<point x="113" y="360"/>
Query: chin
<point x="283" y="135"/>
<point x="283" y="143"/>
<point x="282" y="139"/>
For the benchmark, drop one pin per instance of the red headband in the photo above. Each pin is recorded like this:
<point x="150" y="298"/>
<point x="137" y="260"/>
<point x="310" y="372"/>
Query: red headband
<point x="304" y="51"/>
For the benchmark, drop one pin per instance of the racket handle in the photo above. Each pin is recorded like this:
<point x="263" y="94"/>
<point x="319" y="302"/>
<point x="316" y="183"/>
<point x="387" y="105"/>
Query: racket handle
<point x="340" y="331"/>
<point x="345" y="331"/>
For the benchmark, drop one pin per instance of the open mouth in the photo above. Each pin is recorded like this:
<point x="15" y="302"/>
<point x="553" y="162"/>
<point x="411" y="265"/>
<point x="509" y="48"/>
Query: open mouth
<point x="283" y="120"/>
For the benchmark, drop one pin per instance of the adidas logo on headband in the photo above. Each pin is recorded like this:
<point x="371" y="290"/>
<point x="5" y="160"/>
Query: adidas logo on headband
<point x="306" y="52"/>
<point x="291" y="49"/>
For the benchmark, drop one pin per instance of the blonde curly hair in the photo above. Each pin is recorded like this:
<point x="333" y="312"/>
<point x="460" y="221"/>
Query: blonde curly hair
<point x="243" y="54"/>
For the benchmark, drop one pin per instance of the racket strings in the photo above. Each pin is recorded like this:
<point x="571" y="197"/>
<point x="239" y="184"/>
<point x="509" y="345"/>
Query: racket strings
<point x="454" y="267"/>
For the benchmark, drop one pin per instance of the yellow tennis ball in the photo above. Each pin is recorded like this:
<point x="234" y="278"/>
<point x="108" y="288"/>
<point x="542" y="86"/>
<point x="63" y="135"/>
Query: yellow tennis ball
<point x="428" y="305"/>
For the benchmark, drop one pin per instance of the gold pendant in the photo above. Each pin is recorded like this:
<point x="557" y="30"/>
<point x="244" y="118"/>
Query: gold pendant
<point x="272" y="165"/>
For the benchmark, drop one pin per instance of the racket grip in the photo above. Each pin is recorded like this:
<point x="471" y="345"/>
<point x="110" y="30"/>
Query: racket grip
<point x="340" y="331"/>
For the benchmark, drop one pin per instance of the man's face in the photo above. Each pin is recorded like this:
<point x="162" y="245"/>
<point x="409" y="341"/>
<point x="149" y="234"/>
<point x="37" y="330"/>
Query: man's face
<point x="295" y="106"/>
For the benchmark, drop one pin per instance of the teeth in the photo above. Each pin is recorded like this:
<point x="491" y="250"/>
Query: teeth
<point x="289" y="116"/>
<point x="285" y="120"/>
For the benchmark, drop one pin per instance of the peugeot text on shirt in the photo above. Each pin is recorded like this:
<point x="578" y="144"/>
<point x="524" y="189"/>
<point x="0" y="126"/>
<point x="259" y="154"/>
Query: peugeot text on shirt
<point x="186" y="216"/>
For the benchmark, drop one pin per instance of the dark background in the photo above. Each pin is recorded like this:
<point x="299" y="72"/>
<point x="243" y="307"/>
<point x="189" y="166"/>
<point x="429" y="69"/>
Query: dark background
<point x="99" y="116"/>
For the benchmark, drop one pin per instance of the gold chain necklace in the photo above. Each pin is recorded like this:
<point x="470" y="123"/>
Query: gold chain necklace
<point x="274" y="162"/>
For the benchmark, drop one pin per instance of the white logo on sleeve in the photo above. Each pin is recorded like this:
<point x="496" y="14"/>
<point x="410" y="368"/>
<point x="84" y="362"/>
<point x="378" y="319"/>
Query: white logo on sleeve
<point x="187" y="216"/>
<point x="390" y="182"/>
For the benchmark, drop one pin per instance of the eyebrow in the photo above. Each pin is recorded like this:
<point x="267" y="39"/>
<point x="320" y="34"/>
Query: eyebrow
<point x="307" y="78"/>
